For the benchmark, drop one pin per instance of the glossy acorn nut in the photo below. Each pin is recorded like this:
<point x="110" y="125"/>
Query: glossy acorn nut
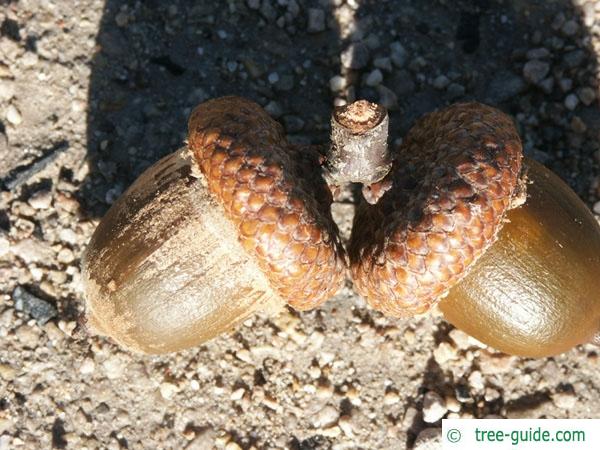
<point x="237" y="221"/>
<point x="536" y="291"/>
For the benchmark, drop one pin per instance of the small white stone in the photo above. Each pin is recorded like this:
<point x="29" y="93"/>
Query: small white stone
<point x="29" y="59"/>
<point x="564" y="400"/>
<point x="476" y="380"/>
<point x="65" y="256"/>
<point x="168" y="390"/>
<point x="326" y="417"/>
<point x="345" y="424"/>
<point x="4" y="245"/>
<point x="597" y="208"/>
<point x="391" y="398"/>
<point x="434" y="407"/>
<point x="273" y="77"/>
<point x="87" y="366"/>
<point x="13" y="115"/>
<point x="444" y="352"/>
<point x="40" y="200"/>
<point x="337" y="83"/>
<point x="237" y="394"/>
<point x="113" y="367"/>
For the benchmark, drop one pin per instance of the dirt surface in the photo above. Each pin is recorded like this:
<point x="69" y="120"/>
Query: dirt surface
<point x="93" y="92"/>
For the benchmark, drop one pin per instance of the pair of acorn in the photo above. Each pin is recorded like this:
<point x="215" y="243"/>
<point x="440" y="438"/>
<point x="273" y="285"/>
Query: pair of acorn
<point x="240" y="220"/>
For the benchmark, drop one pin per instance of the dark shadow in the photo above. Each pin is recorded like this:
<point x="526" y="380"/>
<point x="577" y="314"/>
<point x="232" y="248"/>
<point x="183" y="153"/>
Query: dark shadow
<point x="58" y="434"/>
<point x="452" y="51"/>
<point x="158" y="60"/>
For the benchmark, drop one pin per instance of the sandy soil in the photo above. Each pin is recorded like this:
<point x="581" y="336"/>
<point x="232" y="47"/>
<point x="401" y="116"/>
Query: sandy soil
<point x="93" y="92"/>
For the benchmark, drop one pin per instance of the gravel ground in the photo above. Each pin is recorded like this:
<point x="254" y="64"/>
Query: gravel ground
<point x="92" y="92"/>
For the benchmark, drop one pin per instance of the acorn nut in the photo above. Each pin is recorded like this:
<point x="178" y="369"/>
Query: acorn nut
<point x="239" y="220"/>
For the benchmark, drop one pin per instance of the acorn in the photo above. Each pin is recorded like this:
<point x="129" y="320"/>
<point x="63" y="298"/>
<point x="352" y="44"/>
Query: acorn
<point x="536" y="291"/>
<point x="507" y="250"/>
<point x="239" y="220"/>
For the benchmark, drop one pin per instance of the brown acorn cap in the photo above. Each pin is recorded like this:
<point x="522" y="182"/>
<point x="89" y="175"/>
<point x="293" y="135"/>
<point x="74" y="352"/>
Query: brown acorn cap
<point x="274" y="194"/>
<point x="448" y="191"/>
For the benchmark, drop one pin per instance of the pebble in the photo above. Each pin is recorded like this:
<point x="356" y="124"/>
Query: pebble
<point x="496" y="363"/>
<point x="326" y="417"/>
<point x="29" y="59"/>
<point x="571" y="102"/>
<point x="121" y="19"/>
<point x="564" y="400"/>
<point x="7" y="373"/>
<point x="316" y="20"/>
<point x="4" y="244"/>
<point x="337" y="83"/>
<point x="274" y="109"/>
<point x="31" y="250"/>
<point x="399" y="55"/>
<point x="285" y="83"/>
<point x="491" y="394"/>
<point x="113" y="367"/>
<point x="429" y="439"/>
<point x="535" y="71"/>
<point x="574" y="58"/>
<point x="253" y="4"/>
<point x="456" y="90"/>
<point x="13" y="115"/>
<point x="538" y="53"/>
<point x="40" y="200"/>
<point x="566" y="84"/>
<point x="356" y="56"/>
<point x="273" y="77"/>
<point x="65" y="256"/>
<point x="232" y="445"/>
<point x="441" y="82"/>
<point x="434" y="407"/>
<point x="587" y="95"/>
<point x="28" y="336"/>
<point x="547" y="85"/>
<point x="41" y="310"/>
<point x="168" y="390"/>
<point x="476" y="380"/>
<point x="204" y="440"/>
<point x="452" y="404"/>
<point x="578" y="125"/>
<point x="87" y="366"/>
<point x="570" y="28"/>
<point x="391" y="398"/>
<point x="374" y="78"/>
<point x="597" y="208"/>
<point x="237" y="394"/>
<point x="444" y="353"/>
<point x="345" y="424"/>
<point x="387" y="97"/>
